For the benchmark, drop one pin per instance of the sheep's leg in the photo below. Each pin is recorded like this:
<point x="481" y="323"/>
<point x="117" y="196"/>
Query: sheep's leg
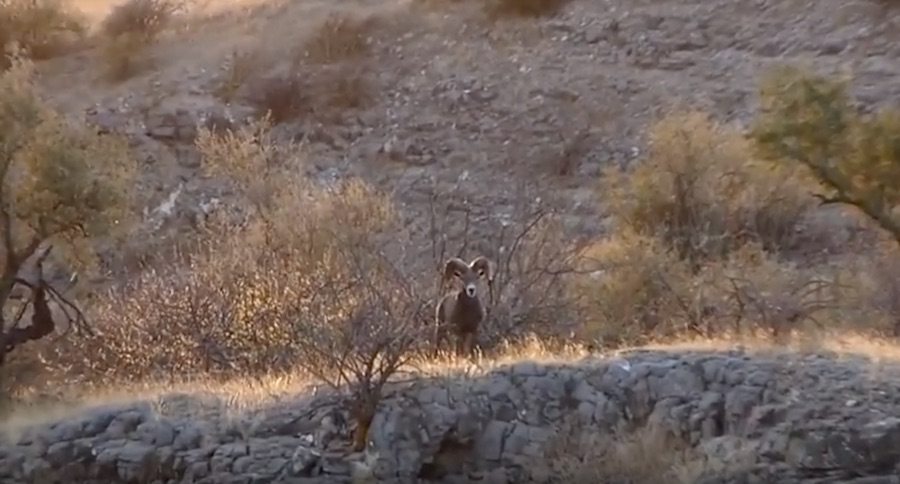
<point x="441" y="339"/>
<point x="466" y="344"/>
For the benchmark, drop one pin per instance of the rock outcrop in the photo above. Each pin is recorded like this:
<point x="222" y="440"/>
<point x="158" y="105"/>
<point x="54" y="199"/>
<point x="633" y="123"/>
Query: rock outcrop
<point x="762" y="418"/>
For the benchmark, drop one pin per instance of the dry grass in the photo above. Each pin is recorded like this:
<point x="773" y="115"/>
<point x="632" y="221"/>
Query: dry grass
<point x="188" y="398"/>
<point x="648" y="454"/>
<point x="630" y="454"/>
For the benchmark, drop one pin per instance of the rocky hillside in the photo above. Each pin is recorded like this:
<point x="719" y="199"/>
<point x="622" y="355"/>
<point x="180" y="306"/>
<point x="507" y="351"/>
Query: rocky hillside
<point x="504" y="110"/>
<point x="642" y="416"/>
<point x="496" y="107"/>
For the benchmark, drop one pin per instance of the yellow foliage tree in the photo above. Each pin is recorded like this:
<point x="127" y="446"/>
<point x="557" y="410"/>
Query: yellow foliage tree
<point x="810" y="119"/>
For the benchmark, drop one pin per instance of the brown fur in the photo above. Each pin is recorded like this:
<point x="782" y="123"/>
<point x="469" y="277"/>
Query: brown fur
<point x="458" y="313"/>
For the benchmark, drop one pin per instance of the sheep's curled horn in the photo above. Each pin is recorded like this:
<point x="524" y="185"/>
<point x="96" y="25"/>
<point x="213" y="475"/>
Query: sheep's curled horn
<point x="481" y="265"/>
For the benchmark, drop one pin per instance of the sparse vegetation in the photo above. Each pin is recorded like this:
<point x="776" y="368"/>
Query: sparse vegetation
<point x="129" y="30"/>
<point x="338" y="38"/>
<point x="39" y="29"/>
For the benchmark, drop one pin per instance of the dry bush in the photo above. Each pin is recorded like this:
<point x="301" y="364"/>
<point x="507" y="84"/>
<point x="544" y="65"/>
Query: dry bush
<point x="124" y="56"/>
<point x="701" y="193"/>
<point x="703" y="231"/>
<point x="323" y="93"/>
<point x="636" y="290"/>
<point x="39" y="29"/>
<point x="304" y="276"/>
<point x="631" y="289"/>
<point x="875" y="278"/>
<point x="340" y="37"/>
<point x="326" y="76"/>
<point x="524" y="8"/>
<point x="129" y="30"/>
<point x="146" y="18"/>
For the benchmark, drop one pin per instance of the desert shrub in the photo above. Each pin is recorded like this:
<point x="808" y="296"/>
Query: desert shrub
<point x="146" y="18"/>
<point x="631" y="288"/>
<point x="129" y="30"/>
<point x="300" y="277"/>
<point x="123" y="56"/>
<point x="524" y="8"/>
<point x="324" y="93"/>
<point x="637" y="290"/>
<point x="339" y="37"/>
<point x="64" y="186"/>
<point x="38" y="28"/>
<point x="700" y="192"/>
<point x="326" y="74"/>
<point x="810" y="121"/>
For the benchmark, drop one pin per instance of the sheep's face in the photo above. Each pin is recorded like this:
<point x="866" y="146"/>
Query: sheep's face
<point x="467" y="274"/>
<point x="469" y="279"/>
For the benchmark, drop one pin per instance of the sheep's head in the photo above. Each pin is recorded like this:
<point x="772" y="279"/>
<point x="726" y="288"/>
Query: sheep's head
<point x="468" y="274"/>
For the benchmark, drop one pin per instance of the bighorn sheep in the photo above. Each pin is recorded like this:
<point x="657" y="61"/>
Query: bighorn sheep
<point x="461" y="311"/>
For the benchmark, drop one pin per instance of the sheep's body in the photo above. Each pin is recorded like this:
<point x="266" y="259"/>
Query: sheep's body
<point x="464" y="315"/>
<point x="461" y="312"/>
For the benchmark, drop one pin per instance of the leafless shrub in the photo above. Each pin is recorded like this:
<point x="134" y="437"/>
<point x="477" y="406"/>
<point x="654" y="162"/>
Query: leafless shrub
<point x="875" y="276"/>
<point x="380" y="323"/>
<point x="281" y="96"/>
<point x="532" y="255"/>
